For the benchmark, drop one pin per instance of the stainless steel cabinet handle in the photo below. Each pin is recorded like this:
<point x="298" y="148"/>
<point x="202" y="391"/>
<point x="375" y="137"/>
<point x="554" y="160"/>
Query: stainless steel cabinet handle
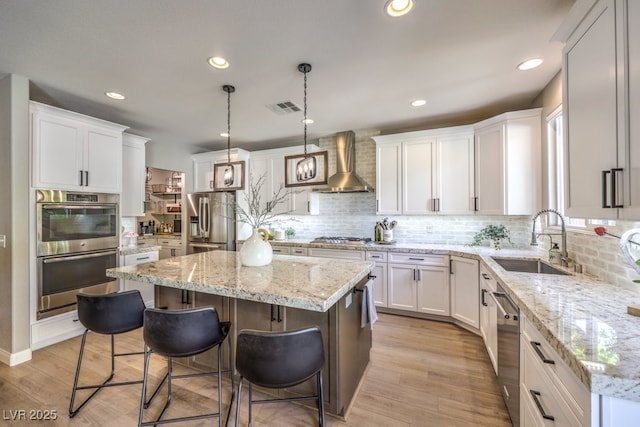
<point x="536" y="346"/>
<point x="534" y="395"/>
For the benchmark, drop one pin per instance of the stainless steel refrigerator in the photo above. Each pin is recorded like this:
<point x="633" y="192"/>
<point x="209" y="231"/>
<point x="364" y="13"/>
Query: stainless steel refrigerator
<point x="211" y="222"/>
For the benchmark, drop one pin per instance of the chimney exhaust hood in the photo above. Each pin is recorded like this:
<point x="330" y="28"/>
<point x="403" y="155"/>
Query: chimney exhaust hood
<point x="345" y="180"/>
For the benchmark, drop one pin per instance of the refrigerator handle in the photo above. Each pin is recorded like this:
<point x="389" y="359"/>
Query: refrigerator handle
<point x="206" y="218"/>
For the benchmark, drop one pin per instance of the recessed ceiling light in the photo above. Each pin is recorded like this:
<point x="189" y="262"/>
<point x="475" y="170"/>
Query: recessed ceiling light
<point x="397" y="8"/>
<point x="115" y="95"/>
<point x="529" y="64"/>
<point x="218" y="62"/>
<point x="307" y="121"/>
<point x="418" y="102"/>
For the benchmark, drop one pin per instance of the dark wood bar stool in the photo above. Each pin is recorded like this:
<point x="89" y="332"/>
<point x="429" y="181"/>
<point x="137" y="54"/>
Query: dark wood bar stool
<point x="109" y="314"/>
<point x="184" y="333"/>
<point x="279" y="360"/>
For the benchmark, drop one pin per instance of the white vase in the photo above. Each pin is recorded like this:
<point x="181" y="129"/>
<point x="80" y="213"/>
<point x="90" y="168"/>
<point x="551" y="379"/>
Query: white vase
<point x="255" y="251"/>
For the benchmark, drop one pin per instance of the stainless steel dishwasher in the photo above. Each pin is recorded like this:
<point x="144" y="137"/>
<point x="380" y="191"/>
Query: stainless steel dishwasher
<point x="508" y="352"/>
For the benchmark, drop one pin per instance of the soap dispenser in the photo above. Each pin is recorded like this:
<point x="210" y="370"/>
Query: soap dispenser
<point x="555" y="256"/>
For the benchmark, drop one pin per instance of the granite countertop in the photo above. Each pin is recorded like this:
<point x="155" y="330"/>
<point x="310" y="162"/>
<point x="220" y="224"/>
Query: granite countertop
<point x="584" y="319"/>
<point x="308" y="283"/>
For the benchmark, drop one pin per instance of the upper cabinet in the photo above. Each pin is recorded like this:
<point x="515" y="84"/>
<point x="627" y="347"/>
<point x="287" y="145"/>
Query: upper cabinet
<point x="203" y="166"/>
<point x="425" y="172"/>
<point x="74" y="152"/>
<point x="271" y="165"/>
<point x="601" y="62"/>
<point x="133" y="175"/>
<point x="507" y="163"/>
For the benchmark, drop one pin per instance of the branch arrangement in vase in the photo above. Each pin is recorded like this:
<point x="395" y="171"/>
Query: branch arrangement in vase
<point x="257" y="214"/>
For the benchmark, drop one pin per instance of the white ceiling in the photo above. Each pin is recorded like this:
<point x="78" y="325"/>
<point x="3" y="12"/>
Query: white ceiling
<point x="460" y="55"/>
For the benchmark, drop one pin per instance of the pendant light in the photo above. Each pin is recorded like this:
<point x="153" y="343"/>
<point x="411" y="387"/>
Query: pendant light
<point x="306" y="169"/>
<point x="228" y="177"/>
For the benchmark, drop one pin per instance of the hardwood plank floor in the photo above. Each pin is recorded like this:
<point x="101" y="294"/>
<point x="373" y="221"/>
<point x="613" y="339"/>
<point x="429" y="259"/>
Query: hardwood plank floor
<point x="422" y="373"/>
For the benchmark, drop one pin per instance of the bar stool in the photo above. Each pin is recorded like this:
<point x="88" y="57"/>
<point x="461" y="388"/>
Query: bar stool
<point x="109" y="314"/>
<point x="184" y="333"/>
<point x="279" y="360"/>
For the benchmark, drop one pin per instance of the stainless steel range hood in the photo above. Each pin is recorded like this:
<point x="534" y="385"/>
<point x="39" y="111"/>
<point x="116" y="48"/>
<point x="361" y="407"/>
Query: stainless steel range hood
<point x="345" y="180"/>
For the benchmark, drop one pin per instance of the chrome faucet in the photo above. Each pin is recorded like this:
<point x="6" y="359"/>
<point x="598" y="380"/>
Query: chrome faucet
<point x="563" y="233"/>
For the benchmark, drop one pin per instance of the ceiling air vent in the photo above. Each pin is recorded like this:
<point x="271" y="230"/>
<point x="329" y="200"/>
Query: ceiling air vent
<point x="284" y="107"/>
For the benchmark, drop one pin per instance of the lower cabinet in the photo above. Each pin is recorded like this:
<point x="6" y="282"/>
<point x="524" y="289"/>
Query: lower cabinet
<point x="171" y="248"/>
<point x="418" y="283"/>
<point x="488" y="316"/>
<point x="465" y="291"/>
<point x="146" y="289"/>
<point x="379" y="274"/>
<point x="549" y="391"/>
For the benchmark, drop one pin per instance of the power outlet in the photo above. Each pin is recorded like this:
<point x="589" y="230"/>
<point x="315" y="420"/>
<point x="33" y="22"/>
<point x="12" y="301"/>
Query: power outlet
<point x="429" y="228"/>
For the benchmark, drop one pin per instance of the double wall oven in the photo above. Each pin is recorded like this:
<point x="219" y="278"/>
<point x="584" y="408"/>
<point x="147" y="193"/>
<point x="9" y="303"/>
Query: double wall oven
<point x="77" y="236"/>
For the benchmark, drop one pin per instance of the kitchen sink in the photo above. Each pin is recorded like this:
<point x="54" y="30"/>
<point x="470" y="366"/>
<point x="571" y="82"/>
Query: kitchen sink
<point x="524" y="265"/>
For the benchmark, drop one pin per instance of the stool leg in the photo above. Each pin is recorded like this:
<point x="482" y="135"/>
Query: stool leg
<point x="147" y="355"/>
<point x="320" y="399"/>
<point x="250" y="401"/>
<point x="231" y="374"/>
<point x="220" y="385"/>
<point x="238" y="401"/>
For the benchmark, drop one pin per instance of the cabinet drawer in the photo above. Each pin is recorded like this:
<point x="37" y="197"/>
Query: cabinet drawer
<point x="419" y="259"/>
<point x="134" y="259"/>
<point x="336" y="253"/>
<point x="539" y="393"/>
<point x="572" y="390"/>
<point x="298" y="251"/>
<point x="170" y="243"/>
<point x="281" y="250"/>
<point x="376" y="256"/>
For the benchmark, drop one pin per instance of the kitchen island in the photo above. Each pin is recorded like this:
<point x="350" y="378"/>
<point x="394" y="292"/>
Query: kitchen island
<point x="290" y="293"/>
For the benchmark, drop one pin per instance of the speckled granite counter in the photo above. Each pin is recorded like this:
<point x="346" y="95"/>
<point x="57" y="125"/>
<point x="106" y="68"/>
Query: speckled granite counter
<point x="583" y="318"/>
<point x="309" y="283"/>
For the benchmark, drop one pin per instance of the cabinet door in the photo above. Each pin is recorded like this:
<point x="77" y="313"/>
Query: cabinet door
<point x="203" y="175"/>
<point x="133" y="180"/>
<point x="380" y="284"/>
<point x="388" y="179"/>
<point x="417" y="177"/>
<point x="590" y="105"/>
<point x="433" y="290"/>
<point x="209" y="359"/>
<point x="488" y="319"/>
<point x="632" y="176"/>
<point x="489" y="170"/>
<point x="465" y="292"/>
<point x="402" y="287"/>
<point x="103" y="160"/>
<point x="173" y="299"/>
<point x="454" y="174"/>
<point x="57" y="152"/>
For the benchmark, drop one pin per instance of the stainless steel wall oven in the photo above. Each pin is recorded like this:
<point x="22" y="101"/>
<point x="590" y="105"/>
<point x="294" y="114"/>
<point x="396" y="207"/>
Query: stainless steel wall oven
<point x="76" y="241"/>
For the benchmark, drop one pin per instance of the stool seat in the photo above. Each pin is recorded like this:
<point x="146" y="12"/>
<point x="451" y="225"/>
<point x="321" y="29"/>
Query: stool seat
<point x="184" y="333"/>
<point x="279" y="360"/>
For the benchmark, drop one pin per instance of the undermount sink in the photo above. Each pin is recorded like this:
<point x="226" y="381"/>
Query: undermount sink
<point x="523" y="265"/>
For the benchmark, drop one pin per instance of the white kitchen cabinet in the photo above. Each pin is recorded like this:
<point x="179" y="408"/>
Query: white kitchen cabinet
<point x="545" y="378"/>
<point x="379" y="273"/>
<point x="74" y="152"/>
<point x="271" y="165"/>
<point x="418" y="283"/>
<point x="146" y="289"/>
<point x="170" y="247"/>
<point x="133" y="175"/>
<point x="507" y="163"/>
<point x="336" y="253"/>
<point x="601" y="63"/>
<point x="425" y="172"/>
<point x="203" y="166"/>
<point x="465" y="290"/>
<point x="488" y="316"/>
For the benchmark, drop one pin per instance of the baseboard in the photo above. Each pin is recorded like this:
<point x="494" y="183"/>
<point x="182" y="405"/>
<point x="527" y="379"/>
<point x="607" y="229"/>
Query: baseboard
<point x="13" y="359"/>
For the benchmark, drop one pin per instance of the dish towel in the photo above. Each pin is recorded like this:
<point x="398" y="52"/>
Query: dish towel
<point x="369" y="314"/>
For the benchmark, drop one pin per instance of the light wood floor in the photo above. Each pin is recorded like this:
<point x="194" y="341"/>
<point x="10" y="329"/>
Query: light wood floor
<point x="422" y="373"/>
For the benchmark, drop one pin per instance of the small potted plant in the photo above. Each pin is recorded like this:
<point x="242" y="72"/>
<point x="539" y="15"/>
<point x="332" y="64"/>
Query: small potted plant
<point x="494" y="233"/>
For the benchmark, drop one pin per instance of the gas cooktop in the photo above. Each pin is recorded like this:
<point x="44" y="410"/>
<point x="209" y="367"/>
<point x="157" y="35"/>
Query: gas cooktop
<point x="338" y="240"/>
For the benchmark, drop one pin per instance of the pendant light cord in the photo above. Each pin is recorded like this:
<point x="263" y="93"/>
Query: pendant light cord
<point x="304" y="68"/>
<point x="228" y="89"/>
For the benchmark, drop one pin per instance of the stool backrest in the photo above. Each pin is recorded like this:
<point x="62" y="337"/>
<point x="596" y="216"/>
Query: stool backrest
<point x="113" y="313"/>
<point x="279" y="359"/>
<point x="180" y="333"/>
